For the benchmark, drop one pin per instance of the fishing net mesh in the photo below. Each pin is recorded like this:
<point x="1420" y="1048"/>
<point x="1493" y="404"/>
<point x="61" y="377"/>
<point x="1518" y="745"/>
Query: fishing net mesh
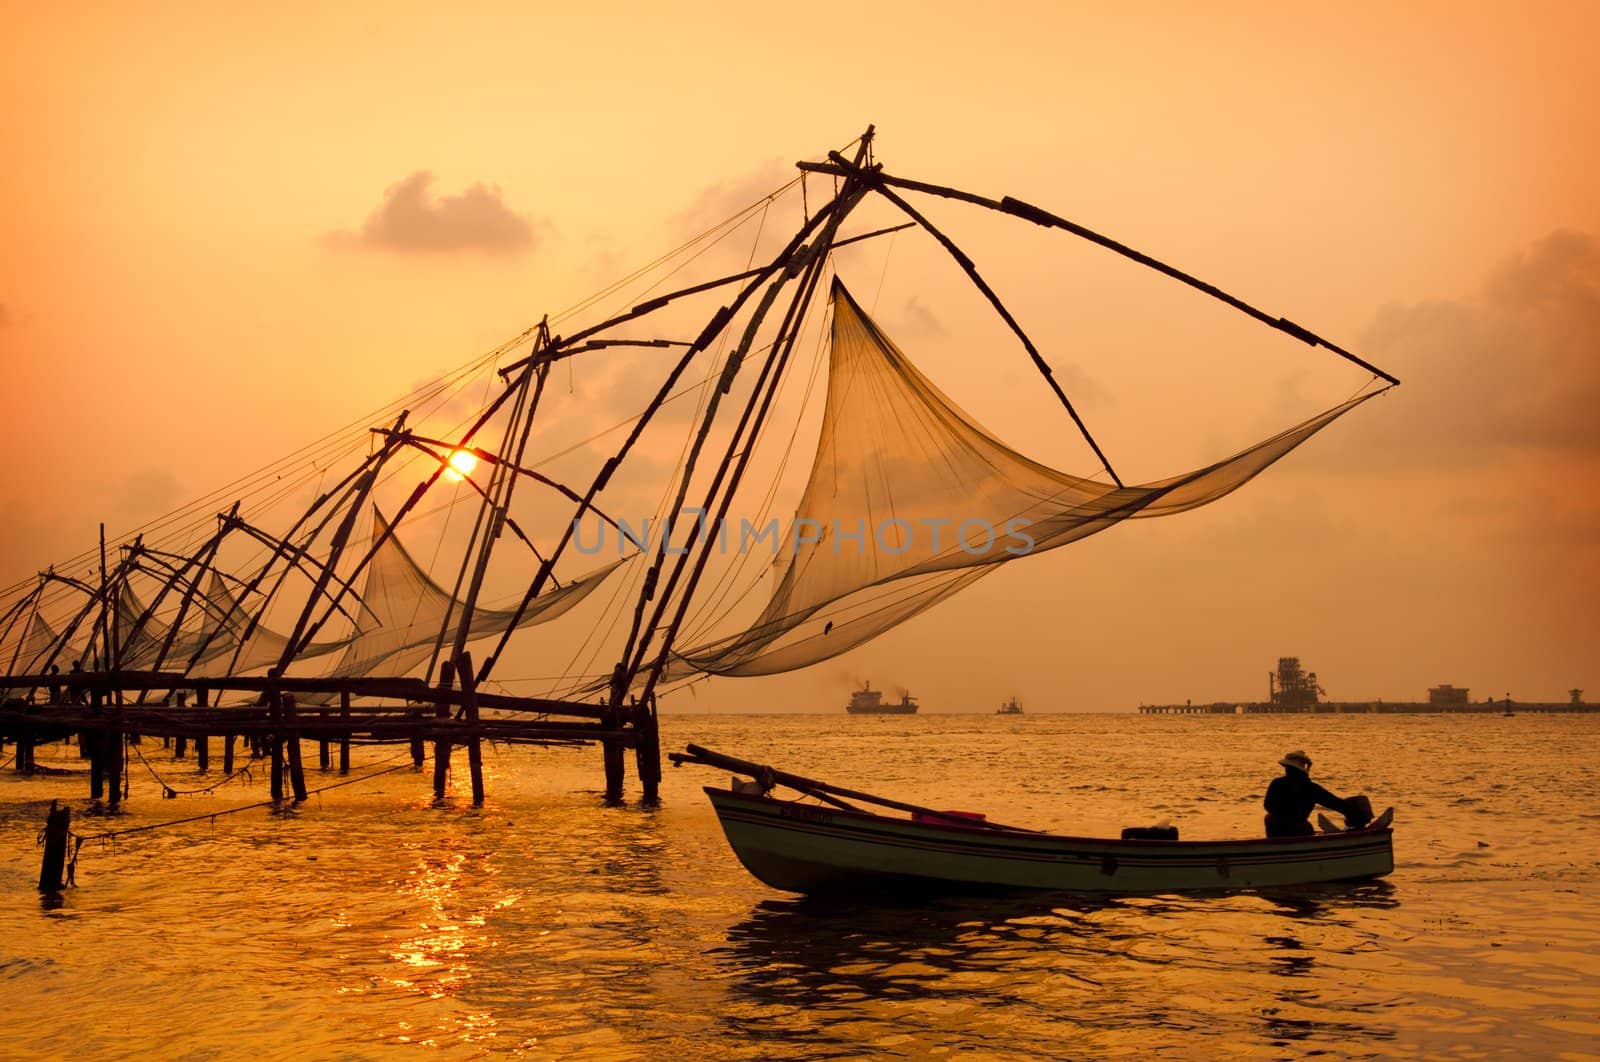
<point x="910" y="500"/>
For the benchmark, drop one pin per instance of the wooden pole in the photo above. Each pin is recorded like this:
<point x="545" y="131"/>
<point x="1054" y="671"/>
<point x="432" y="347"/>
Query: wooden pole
<point x="611" y="754"/>
<point x="96" y="739"/>
<point x="297" y="774"/>
<point x="769" y="777"/>
<point x="275" y="739"/>
<point x="808" y="267"/>
<point x="1029" y="212"/>
<point x="324" y="760"/>
<point x="57" y="830"/>
<point x="202" y="744"/>
<point x="227" y="753"/>
<point x="114" y="762"/>
<point x="469" y="689"/>
<point x="708" y="335"/>
<point x="301" y="636"/>
<point x="647" y="753"/>
<point x="1005" y="315"/>
<point x="441" y="746"/>
<point x="97" y="766"/>
<point x="344" y="739"/>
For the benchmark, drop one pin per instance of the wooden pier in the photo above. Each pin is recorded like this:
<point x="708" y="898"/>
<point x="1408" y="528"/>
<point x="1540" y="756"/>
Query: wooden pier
<point x="104" y="711"/>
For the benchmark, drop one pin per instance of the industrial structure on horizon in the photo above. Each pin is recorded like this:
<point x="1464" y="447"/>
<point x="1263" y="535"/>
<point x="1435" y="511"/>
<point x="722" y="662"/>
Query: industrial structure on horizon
<point x="1293" y="689"/>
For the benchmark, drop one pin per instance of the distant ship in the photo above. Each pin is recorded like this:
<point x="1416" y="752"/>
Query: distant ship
<point x="868" y="701"/>
<point x="1011" y="707"/>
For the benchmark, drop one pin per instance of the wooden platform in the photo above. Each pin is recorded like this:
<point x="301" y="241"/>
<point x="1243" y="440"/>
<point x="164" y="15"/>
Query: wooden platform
<point x="103" y="710"/>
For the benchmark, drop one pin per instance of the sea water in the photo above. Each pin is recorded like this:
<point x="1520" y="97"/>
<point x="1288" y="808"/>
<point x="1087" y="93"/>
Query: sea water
<point x="368" y="922"/>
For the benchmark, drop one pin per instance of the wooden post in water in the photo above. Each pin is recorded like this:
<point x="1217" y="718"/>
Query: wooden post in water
<point x="24" y="762"/>
<point x="297" y="773"/>
<point x="611" y="747"/>
<point x="96" y="740"/>
<point x="441" y="745"/>
<point x="183" y="748"/>
<point x="344" y="739"/>
<point x="469" y="690"/>
<point x="323" y="759"/>
<point x="611" y="755"/>
<point x="57" y="830"/>
<point x="275" y="739"/>
<point x="647" y="753"/>
<point x="202" y="744"/>
<point x="227" y="753"/>
<point x="114" y="755"/>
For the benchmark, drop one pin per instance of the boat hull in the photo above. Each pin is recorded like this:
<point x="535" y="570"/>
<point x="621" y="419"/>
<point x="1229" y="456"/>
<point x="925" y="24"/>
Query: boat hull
<point x="809" y="849"/>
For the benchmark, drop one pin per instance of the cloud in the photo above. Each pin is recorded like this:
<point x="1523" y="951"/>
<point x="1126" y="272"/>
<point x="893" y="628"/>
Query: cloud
<point x="142" y="496"/>
<point x="412" y="219"/>
<point x="922" y="316"/>
<point x="1513" y="369"/>
<point x="724" y="199"/>
<point x="1492" y="439"/>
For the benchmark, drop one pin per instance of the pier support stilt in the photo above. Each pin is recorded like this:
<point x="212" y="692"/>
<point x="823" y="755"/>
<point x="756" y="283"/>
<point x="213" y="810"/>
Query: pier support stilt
<point x="114" y="758"/>
<point x="57" y="829"/>
<point x="441" y="766"/>
<point x="297" y="772"/>
<point x="202" y="744"/>
<point x="275" y="743"/>
<point x="90" y="741"/>
<point x="469" y="688"/>
<point x="344" y="739"/>
<point x="647" y="752"/>
<point x="475" y="767"/>
<point x="611" y="752"/>
<point x="441" y="746"/>
<point x="227" y="753"/>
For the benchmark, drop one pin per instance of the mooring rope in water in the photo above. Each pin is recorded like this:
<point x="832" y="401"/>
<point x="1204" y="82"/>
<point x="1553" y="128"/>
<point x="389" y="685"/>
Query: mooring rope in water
<point x="168" y="792"/>
<point x="111" y="835"/>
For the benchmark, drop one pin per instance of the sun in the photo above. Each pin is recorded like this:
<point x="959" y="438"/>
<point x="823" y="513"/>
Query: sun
<point x="462" y="462"/>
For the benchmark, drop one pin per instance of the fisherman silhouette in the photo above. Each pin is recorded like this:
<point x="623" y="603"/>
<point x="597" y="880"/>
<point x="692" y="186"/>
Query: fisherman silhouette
<point x="1291" y="796"/>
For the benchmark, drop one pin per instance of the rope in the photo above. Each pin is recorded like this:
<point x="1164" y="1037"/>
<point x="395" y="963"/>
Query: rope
<point x="169" y="793"/>
<point x="111" y="835"/>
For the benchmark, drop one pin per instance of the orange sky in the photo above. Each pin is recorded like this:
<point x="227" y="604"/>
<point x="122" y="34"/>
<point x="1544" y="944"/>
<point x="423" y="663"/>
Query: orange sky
<point x="193" y="282"/>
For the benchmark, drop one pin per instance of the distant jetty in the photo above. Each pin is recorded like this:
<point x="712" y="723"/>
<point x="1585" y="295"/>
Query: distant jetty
<point x="1292" y="690"/>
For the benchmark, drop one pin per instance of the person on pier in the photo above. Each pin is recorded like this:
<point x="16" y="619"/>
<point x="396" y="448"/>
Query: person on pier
<point x="76" y="692"/>
<point x="1291" y="796"/>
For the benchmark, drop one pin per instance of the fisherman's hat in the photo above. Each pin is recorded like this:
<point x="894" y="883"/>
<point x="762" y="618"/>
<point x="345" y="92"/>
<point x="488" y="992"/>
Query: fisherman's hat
<point x="1296" y="759"/>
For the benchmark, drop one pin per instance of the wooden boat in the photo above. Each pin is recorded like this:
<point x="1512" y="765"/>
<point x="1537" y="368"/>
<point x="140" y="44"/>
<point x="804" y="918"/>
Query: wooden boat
<point x="842" y="849"/>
